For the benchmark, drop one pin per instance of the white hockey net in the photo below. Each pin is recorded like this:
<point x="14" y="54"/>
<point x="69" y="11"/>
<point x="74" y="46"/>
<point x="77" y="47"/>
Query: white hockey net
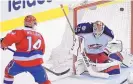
<point x="115" y="14"/>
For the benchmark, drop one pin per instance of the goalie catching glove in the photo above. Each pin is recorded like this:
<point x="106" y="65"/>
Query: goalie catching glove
<point x="115" y="52"/>
<point x="125" y="58"/>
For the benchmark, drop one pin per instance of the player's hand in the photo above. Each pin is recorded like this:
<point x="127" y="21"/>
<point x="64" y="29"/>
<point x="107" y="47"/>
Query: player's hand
<point x="3" y="48"/>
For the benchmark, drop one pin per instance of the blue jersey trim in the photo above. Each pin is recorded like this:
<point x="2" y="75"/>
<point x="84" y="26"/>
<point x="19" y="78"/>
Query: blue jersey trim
<point x="8" y="82"/>
<point x="26" y="54"/>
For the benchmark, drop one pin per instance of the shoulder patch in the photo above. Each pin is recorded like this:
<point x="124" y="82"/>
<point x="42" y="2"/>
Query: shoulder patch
<point x="84" y="28"/>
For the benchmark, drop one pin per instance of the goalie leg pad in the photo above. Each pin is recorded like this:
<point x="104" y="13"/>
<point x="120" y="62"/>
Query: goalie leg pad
<point x="75" y="47"/>
<point x="112" y="70"/>
<point x="80" y="67"/>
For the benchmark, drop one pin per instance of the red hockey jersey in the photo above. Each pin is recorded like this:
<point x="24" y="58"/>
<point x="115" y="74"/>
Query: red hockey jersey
<point x="29" y="44"/>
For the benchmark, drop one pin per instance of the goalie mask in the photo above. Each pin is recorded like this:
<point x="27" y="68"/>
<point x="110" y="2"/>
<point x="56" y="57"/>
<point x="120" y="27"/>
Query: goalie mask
<point x="98" y="28"/>
<point x="30" y="21"/>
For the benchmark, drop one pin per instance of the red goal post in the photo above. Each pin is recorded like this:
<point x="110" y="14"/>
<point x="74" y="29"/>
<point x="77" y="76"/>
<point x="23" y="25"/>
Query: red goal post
<point x="132" y="27"/>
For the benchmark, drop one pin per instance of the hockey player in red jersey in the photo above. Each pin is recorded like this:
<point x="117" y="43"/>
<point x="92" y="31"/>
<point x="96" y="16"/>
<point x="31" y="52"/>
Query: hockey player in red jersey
<point x="30" y="48"/>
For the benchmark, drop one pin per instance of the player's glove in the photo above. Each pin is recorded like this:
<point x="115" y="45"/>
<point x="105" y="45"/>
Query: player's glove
<point x="3" y="48"/>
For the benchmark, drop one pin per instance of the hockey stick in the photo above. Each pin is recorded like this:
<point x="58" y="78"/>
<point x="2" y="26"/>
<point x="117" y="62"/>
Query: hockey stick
<point x="57" y="74"/>
<point x="67" y="19"/>
<point x="85" y="59"/>
<point x="124" y="81"/>
<point x="68" y="22"/>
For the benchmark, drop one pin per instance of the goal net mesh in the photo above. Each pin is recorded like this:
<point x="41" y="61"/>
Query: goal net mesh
<point x="115" y="14"/>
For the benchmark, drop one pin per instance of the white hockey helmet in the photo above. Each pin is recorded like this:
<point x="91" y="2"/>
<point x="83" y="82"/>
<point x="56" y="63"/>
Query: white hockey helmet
<point x="98" y="28"/>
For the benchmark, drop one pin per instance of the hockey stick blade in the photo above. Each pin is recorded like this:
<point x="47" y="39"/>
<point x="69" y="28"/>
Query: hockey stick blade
<point x="58" y="74"/>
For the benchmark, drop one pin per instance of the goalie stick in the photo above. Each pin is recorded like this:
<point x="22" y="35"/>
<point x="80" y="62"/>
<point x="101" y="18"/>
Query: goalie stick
<point x="57" y="74"/>
<point x="86" y="61"/>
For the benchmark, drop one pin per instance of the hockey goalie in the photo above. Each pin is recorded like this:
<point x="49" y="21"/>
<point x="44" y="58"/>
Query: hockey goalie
<point x="92" y="51"/>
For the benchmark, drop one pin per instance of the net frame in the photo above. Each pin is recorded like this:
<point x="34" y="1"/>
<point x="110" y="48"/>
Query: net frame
<point x="76" y="9"/>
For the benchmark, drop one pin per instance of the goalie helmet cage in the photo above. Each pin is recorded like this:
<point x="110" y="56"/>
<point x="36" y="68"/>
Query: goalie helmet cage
<point x="115" y="14"/>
